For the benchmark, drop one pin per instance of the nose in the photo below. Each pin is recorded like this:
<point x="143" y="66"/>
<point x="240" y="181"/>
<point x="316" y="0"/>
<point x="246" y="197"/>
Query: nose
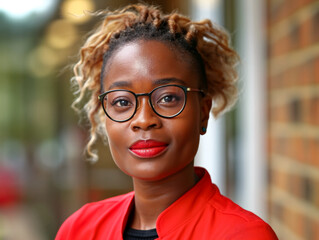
<point x="145" y="118"/>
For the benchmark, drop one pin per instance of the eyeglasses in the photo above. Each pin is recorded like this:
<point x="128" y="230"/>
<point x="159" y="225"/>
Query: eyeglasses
<point x="167" y="101"/>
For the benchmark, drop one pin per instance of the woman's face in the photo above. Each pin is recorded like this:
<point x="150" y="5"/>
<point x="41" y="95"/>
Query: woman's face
<point x="148" y="146"/>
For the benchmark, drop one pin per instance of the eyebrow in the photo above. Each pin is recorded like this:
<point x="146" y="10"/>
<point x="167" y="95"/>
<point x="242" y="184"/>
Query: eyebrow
<point x="168" y="81"/>
<point x="120" y="84"/>
<point x="157" y="82"/>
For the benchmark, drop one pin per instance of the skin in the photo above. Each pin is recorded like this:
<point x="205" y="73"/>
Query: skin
<point x="140" y="67"/>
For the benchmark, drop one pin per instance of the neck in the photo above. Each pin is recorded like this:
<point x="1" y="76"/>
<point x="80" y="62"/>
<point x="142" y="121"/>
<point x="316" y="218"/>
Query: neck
<point x="153" y="197"/>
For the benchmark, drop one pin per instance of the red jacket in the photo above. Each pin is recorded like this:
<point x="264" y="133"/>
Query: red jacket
<point x="201" y="213"/>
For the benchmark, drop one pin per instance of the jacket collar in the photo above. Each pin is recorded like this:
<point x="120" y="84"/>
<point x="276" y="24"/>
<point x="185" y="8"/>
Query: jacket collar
<point x="189" y="204"/>
<point x="183" y="209"/>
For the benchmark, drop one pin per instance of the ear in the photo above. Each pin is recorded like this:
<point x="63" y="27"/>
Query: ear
<point x="206" y="105"/>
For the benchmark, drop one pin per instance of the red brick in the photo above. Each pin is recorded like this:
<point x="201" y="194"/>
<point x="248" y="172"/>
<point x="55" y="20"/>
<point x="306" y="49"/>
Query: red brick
<point x="306" y="33"/>
<point x="307" y="111"/>
<point x="280" y="10"/>
<point x="315" y="229"/>
<point x="279" y="81"/>
<point x="280" y="179"/>
<point x="269" y="145"/>
<point x="279" y="145"/>
<point x="314" y="153"/>
<point x="300" y="33"/>
<point x="295" y="221"/>
<point x="299" y="149"/>
<point x="293" y="77"/>
<point x="291" y="218"/>
<point x="314" y="110"/>
<point x="316" y="195"/>
<point x="278" y="210"/>
<point x="275" y="10"/>
<point x="285" y="79"/>
<point x="300" y="109"/>
<point x="315" y="27"/>
<point x="305" y="74"/>
<point x="275" y="49"/>
<point x="273" y="113"/>
<point x="316" y="70"/>
<point x="295" y="185"/>
<point x="311" y="228"/>
<point x="300" y="75"/>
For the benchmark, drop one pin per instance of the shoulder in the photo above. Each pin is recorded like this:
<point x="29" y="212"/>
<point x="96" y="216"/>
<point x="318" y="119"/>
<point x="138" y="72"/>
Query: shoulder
<point x="94" y="214"/>
<point x="237" y="222"/>
<point x="225" y="207"/>
<point x="251" y="230"/>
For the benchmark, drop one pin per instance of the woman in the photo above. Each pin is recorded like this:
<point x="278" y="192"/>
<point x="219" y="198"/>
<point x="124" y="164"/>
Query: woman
<point x="153" y="79"/>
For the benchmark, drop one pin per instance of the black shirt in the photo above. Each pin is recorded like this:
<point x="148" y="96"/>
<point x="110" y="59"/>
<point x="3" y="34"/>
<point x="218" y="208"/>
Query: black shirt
<point x="134" y="234"/>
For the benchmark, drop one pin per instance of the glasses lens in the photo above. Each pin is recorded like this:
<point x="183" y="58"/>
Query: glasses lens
<point x="168" y="101"/>
<point x="119" y="105"/>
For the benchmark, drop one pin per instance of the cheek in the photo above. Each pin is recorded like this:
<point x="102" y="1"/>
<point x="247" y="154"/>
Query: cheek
<point x="188" y="135"/>
<point x="187" y="130"/>
<point x="115" y="139"/>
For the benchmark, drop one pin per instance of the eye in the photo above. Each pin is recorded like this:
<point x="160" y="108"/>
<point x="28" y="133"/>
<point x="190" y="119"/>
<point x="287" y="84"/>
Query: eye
<point x="168" y="99"/>
<point x="121" y="103"/>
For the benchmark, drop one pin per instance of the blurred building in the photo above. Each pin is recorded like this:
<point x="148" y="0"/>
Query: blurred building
<point x="264" y="154"/>
<point x="293" y="120"/>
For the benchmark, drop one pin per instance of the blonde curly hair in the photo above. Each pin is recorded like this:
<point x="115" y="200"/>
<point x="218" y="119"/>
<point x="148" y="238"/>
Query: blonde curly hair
<point x="210" y="42"/>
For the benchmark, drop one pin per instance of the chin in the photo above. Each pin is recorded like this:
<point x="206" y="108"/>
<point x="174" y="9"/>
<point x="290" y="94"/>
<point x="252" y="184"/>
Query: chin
<point x="148" y="175"/>
<point x="154" y="173"/>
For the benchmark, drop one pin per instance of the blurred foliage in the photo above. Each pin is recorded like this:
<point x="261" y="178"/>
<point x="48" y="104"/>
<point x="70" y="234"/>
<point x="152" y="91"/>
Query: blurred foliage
<point x="41" y="142"/>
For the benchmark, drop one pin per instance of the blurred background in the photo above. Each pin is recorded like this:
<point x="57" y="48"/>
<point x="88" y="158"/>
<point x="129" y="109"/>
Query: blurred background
<point x="264" y="154"/>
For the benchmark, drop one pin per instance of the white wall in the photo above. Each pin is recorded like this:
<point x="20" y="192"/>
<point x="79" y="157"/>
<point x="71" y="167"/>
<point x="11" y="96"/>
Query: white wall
<point x="251" y="170"/>
<point x="252" y="107"/>
<point x="211" y="149"/>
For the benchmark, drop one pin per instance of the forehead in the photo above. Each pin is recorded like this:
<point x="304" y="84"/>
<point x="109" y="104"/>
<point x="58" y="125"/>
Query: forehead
<point x="149" y="60"/>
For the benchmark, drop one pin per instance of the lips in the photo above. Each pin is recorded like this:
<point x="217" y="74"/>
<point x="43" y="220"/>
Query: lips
<point x="148" y="148"/>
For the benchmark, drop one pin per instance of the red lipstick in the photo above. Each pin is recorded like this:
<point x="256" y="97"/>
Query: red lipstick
<point x="148" y="148"/>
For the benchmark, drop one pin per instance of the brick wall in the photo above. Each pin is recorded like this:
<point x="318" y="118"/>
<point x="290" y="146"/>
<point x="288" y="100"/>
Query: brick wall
<point x="293" y="111"/>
